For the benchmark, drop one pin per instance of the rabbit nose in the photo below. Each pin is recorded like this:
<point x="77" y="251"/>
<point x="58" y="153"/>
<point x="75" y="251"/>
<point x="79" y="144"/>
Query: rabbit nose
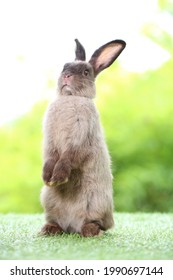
<point x="67" y="78"/>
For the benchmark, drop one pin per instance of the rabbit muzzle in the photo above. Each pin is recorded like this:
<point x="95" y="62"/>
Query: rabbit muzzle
<point x="66" y="82"/>
<point x="66" y="79"/>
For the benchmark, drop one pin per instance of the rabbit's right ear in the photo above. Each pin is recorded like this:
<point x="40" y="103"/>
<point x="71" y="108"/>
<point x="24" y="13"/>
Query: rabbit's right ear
<point x="80" y="51"/>
<point x="106" y="55"/>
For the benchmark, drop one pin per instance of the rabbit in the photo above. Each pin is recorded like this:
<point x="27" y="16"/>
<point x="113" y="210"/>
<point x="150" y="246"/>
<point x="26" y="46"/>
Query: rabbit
<point x="78" y="196"/>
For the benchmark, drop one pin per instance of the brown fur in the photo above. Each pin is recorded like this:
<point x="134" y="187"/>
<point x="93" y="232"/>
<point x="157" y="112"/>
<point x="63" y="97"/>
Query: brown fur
<point x="51" y="229"/>
<point x="90" y="229"/>
<point x="76" y="168"/>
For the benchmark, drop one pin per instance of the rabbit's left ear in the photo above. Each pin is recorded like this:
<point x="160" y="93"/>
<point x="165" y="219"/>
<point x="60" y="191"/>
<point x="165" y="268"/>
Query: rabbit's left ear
<point x="106" y="55"/>
<point x="80" y="51"/>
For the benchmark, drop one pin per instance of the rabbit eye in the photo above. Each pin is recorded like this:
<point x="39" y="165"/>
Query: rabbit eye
<point x="86" y="72"/>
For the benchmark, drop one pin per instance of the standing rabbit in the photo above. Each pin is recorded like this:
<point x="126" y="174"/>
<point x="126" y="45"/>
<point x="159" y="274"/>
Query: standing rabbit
<point x="77" y="196"/>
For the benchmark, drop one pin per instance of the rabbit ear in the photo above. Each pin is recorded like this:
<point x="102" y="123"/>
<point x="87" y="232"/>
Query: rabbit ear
<point x="106" y="55"/>
<point x="80" y="51"/>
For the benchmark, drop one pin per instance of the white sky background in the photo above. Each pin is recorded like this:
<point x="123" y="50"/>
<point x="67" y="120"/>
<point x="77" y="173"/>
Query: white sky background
<point x="37" y="38"/>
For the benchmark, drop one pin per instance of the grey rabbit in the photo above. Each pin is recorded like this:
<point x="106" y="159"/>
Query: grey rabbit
<point x="77" y="196"/>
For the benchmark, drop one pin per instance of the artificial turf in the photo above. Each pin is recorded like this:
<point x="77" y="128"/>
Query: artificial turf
<point x="136" y="236"/>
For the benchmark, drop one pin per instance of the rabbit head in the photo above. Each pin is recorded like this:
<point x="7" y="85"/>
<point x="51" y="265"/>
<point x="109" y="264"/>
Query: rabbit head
<point x="77" y="78"/>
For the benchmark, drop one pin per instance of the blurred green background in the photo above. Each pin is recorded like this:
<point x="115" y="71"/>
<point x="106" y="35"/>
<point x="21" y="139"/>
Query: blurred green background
<point x="137" y="115"/>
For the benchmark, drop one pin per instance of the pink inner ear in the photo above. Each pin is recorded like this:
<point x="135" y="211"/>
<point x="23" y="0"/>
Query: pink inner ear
<point x="108" y="55"/>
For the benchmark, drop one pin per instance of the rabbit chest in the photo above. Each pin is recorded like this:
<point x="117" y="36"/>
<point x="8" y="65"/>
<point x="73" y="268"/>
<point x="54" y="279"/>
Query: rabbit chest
<point x="71" y="120"/>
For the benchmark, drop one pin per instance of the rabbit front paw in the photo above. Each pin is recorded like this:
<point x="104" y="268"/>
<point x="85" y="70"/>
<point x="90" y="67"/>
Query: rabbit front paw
<point x="48" y="170"/>
<point x="61" y="174"/>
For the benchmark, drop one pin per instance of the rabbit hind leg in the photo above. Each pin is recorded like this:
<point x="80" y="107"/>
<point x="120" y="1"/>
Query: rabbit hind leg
<point x="51" y="229"/>
<point x="91" y="229"/>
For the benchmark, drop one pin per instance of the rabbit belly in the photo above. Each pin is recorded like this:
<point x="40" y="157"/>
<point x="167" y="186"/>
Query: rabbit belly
<point x="69" y="213"/>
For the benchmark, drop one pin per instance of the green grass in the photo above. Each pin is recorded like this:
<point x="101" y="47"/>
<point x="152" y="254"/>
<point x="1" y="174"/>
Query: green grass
<point x="135" y="236"/>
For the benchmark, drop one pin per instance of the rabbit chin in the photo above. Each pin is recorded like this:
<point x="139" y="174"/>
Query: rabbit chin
<point x="66" y="90"/>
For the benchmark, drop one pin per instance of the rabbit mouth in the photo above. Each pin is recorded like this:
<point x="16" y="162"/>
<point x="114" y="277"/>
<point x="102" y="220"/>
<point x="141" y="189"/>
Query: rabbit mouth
<point x="63" y="86"/>
<point x="66" y="90"/>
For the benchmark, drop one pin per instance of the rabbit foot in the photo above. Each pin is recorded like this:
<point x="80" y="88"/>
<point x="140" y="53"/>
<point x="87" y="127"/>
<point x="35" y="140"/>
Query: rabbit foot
<point x="91" y="229"/>
<point x="51" y="229"/>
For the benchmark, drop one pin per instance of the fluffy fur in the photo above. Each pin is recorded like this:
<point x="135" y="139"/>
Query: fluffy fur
<point x="77" y="196"/>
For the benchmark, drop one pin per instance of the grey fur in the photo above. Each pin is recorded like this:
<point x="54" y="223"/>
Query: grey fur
<point x="76" y="162"/>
